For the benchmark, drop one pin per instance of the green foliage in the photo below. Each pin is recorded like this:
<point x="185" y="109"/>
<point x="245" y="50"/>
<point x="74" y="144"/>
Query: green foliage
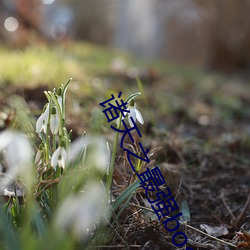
<point x="66" y="206"/>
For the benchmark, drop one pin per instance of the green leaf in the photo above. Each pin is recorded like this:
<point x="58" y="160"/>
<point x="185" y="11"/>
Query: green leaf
<point x="125" y="194"/>
<point x="123" y="207"/>
<point x="132" y="96"/>
<point x="65" y="87"/>
<point x="10" y="236"/>
<point x="39" y="222"/>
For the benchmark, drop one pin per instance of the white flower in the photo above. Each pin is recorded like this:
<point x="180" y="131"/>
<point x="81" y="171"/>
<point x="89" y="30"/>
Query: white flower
<point x="134" y="113"/>
<point x="98" y="152"/>
<point x="54" y="121"/>
<point x="59" y="157"/>
<point x="101" y="154"/>
<point x="17" y="152"/>
<point x="42" y="122"/>
<point x="79" y="214"/>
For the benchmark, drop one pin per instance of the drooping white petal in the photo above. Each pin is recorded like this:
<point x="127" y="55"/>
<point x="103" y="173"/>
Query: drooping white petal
<point x="76" y="148"/>
<point x="62" y="161"/>
<point x="55" y="156"/>
<point x="46" y="112"/>
<point x="54" y="124"/>
<point x="44" y="127"/>
<point x="64" y="154"/>
<point x="5" y="139"/>
<point x="101" y="155"/>
<point x="39" y="123"/>
<point x="130" y="122"/>
<point x="79" y="214"/>
<point x="19" y="151"/>
<point x="139" y="116"/>
<point x="133" y="115"/>
<point x="59" y="158"/>
<point x="18" y="156"/>
<point x="98" y="152"/>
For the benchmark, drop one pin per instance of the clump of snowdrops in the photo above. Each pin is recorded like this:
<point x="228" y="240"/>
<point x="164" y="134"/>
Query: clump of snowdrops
<point x="65" y="186"/>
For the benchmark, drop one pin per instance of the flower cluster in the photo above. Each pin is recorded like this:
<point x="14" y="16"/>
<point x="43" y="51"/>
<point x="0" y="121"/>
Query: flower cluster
<point x="52" y="151"/>
<point x="51" y="115"/>
<point x="56" y="151"/>
<point x="80" y="211"/>
<point x="75" y="207"/>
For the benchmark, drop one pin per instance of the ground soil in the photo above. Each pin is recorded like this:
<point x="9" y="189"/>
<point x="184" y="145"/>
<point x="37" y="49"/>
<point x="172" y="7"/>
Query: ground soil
<point x="205" y="155"/>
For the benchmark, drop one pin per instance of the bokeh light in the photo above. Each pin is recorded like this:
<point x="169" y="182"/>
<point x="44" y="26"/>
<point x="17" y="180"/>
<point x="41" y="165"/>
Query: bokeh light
<point x="11" y="24"/>
<point x="58" y="31"/>
<point x="48" y="2"/>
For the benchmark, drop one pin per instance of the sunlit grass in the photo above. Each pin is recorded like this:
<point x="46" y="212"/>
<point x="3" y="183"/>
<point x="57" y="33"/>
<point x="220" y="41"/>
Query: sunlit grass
<point x="37" y="65"/>
<point x="41" y="64"/>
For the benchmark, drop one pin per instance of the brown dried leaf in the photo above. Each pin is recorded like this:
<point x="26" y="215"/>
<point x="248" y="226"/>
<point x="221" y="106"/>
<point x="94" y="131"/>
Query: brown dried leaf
<point x="245" y="236"/>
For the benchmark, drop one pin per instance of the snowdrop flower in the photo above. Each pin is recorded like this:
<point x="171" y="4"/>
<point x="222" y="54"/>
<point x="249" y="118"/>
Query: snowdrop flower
<point x="134" y="113"/>
<point x="54" y="121"/>
<point x="98" y="152"/>
<point x="17" y="152"/>
<point x="59" y="157"/>
<point x="42" y="122"/>
<point x="79" y="214"/>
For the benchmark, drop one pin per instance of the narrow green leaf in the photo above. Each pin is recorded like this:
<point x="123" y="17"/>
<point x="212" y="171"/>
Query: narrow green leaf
<point x="65" y="87"/>
<point x="10" y="236"/>
<point x="125" y="194"/>
<point x="132" y="96"/>
<point x="39" y="222"/>
<point x="121" y="210"/>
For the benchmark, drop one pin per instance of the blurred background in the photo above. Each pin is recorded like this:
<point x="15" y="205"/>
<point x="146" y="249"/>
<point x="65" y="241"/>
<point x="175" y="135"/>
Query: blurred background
<point x="212" y="34"/>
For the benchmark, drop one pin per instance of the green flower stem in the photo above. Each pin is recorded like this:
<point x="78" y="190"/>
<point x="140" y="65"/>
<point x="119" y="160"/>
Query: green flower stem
<point x="47" y="137"/>
<point x="60" y="112"/>
<point x="63" y="101"/>
<point x="112" y="164"/>
<point x="66" y="136"/>
<point x="46" y="150"/>
<point x="54" y="142"/>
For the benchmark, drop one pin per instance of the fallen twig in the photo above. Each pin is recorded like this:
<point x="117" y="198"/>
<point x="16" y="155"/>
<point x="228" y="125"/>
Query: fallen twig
<point x="185" y="224"/>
